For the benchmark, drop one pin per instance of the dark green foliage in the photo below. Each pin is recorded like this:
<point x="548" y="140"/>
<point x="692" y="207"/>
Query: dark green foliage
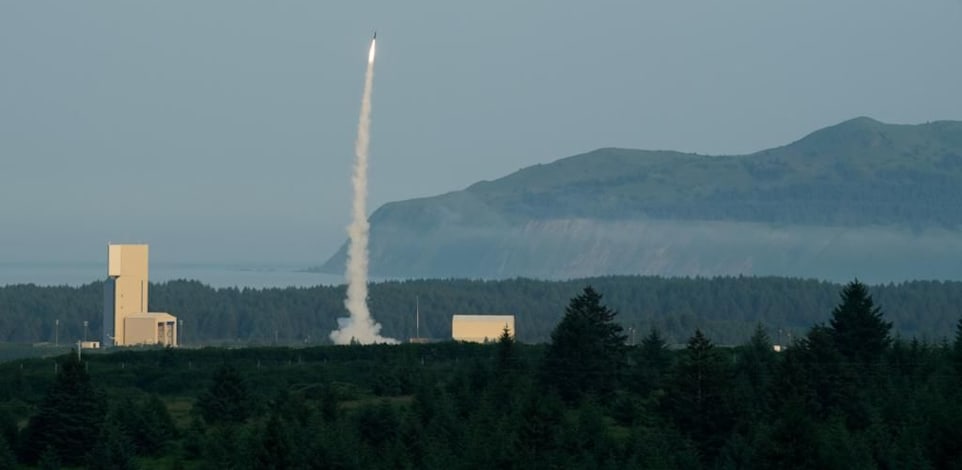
<point x="49" y="459"/>
<point x="224" y="449"/>
<point x="193" y="442"/>
<point x="859" y="332"/>
<point x="660" y="446"/>
<point x="274" y="449"/>
<point x="726" y="308"/>
<point x="587" y="353"/>
<point x="652" y="362"/>
<point x="587" y="440"/>
<point x="158" y="423"/>
<point x="226" y="400"/>
<point x="463" y="406"/>
<point x="114" y="449"/>
<point x="68" y="419"/>
<point x="696" y="397"/>
<point x="377" y="425"/>
<point x="539" y="437"/>
<point x="957" y="347"/>
<point x="753" y="373"/>
<point x="7" y="460"/>
<point x="507" y="359"/>
<point x="8" y="429"/>
<point x="147" y="425"/>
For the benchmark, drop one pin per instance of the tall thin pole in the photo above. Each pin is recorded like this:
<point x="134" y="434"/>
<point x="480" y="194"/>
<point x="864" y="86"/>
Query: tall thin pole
<point x="417" y="316"/>
<point x="56" y="333"/>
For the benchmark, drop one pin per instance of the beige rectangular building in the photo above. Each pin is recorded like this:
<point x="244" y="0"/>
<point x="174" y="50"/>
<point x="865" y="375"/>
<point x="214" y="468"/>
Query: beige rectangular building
<point x="126" y="319"/>
<point x="150" y="329"/>
<point x="481" y="328"/>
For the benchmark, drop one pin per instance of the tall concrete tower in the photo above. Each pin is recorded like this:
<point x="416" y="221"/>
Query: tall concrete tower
<point x="125" y="292"/>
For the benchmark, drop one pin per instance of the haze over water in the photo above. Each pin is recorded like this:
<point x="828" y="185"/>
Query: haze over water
<point x="218" y="276"/>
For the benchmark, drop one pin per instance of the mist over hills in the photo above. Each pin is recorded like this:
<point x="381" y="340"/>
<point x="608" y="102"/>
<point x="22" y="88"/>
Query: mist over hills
<point x="861" y="198"/>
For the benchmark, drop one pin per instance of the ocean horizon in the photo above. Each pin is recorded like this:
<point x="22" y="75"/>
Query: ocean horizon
<point x="257" y="276"/>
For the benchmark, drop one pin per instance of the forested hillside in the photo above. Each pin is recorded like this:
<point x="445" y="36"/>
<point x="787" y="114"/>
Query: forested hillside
<point x="878" y="197"/>
<point x="726" y="308"/>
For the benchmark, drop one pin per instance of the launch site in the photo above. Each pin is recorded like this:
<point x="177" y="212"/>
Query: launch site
<point x="501" y="235"/>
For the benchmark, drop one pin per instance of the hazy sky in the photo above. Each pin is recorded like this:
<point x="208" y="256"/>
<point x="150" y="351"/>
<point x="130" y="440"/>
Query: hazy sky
<point x="222" y="131"/>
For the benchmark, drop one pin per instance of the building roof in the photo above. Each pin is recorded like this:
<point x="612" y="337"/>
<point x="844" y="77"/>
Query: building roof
<point x="160" y="316"/>
<point x="482" y="317"/>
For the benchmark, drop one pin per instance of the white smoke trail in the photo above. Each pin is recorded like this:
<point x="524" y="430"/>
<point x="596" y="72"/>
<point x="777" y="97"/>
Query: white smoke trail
<point x="360" y="327"/>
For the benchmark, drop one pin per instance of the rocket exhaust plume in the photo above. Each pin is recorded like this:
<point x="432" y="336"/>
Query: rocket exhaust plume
<point x="360" y="327"/>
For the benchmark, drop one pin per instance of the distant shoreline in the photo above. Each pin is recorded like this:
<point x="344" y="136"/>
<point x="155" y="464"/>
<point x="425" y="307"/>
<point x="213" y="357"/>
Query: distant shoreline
<point x="218" y="276"/>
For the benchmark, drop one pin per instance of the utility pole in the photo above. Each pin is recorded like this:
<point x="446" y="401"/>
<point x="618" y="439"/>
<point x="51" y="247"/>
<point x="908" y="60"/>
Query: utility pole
<point x="85" y="331"/>
<point x="56" y="332"/>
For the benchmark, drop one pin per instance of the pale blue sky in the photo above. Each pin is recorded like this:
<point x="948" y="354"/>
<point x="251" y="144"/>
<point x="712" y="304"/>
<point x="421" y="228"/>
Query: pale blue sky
<point x="224" y="130"/>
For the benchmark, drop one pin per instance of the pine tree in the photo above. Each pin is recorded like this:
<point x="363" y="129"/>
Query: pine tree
<point x="49" y="460"/>
<point x="652" y="363"/>
<point x="507" y="361"/>
<point x="275" y="450"/>
<point x="540" y="428"/>
<point x="587" y="353"/>
<point x="69" y="418"/>
<point x="858" y="330"/>
<point x="696" y="399"/>
<point x="159" y="428"/>
<point x="957" y="347"/>
<point x="7" y="460"/>
<point x="755" y="370"/>
<point x="8" y="430"/>
<point x="226" y="401"/>
<point x="114" y="450"/>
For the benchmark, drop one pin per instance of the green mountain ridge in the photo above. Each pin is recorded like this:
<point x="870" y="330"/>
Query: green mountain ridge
<point x="888" y="184"/>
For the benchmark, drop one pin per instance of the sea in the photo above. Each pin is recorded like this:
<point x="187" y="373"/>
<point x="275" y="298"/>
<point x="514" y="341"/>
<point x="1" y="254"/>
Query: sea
<point x="256" y="276"/>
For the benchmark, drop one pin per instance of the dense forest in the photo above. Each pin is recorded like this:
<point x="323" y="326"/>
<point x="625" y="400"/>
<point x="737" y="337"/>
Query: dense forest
<point x="845" y="394"/>
<point x="725" y="308"/>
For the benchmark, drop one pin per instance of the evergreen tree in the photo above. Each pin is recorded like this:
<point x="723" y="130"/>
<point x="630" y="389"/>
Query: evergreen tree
<point x="114" y="450"/>
<point x="652" y="362"/>
<point x="507" y="360"/>
<point x="275" y="450"/>
<point x="857" y="327"/>
<point x="541" y="424"/>
<point x="158" y="426"/>
<point x="223" y="449"/>
<point x="192" y="445"/>
<point x="49" y="460"/>
<point x="7" y="459"/>
<point x="587" y="353"/>
<point x="587" y="440"/>
<point x="754" y="371"/>
<point x="226" y="401"/>
<point x="8" y="430"/>
<point x="68" y="419"/>
<point x="697" y="397"/>
<point x="957" y="347"/>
